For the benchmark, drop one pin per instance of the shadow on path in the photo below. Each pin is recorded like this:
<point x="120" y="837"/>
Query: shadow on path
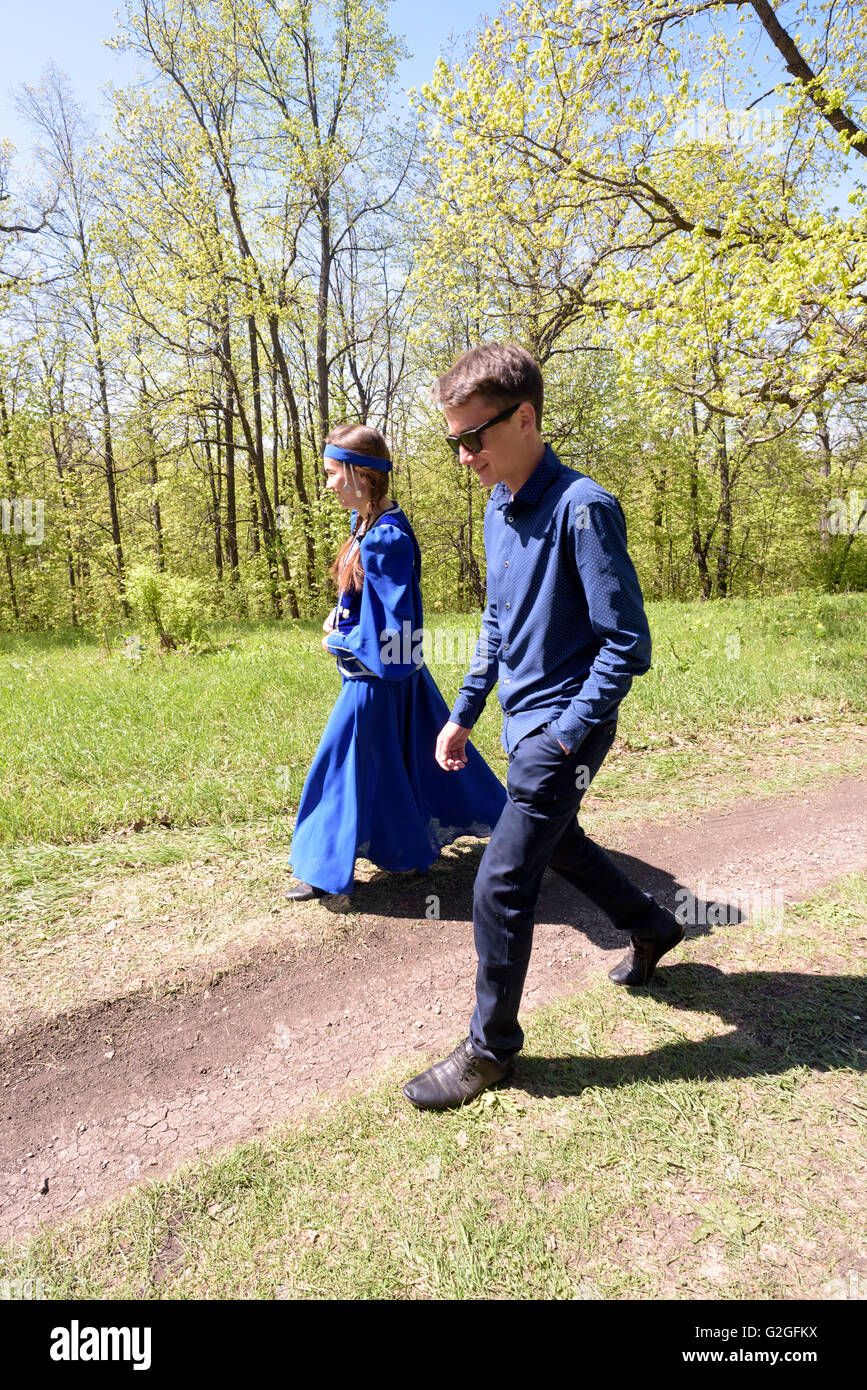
<point x="445" y="892"/>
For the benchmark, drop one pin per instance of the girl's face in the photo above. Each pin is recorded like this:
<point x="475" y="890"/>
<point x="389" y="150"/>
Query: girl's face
<point x="339" y="480"/>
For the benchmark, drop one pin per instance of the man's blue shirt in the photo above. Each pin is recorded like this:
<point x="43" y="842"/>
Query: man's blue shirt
<point x="564" y="630"/>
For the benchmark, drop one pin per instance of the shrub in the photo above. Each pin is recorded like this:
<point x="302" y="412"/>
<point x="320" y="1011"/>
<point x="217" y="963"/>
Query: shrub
<point x="171" y="604"/>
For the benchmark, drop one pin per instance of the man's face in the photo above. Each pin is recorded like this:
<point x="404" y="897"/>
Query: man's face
<point x="503" y="442"/>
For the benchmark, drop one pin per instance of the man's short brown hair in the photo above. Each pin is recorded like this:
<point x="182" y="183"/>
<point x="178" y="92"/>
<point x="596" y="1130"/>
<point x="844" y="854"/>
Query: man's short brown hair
<point x="503" y="373"/>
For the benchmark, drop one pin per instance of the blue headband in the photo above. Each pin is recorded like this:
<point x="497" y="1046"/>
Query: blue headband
<point x="333" y="451"/>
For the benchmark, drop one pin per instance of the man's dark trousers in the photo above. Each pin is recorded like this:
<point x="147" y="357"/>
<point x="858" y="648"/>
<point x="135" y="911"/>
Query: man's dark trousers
<point x="537" y="829"/>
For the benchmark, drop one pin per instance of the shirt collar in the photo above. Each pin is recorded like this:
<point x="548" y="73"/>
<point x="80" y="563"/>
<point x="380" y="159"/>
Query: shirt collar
<point x="538" y="482"/>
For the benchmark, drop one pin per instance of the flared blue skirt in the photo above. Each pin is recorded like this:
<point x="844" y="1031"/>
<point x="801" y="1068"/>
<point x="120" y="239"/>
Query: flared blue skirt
<point x="375" y="790"/>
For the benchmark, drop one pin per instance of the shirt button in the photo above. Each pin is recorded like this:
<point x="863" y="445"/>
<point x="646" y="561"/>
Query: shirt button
<point x="506" y="564"/>
<point x="508" y="605"/>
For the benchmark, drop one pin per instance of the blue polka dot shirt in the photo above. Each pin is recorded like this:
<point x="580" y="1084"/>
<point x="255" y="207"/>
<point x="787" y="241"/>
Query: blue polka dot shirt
<point x="564" y="630"/>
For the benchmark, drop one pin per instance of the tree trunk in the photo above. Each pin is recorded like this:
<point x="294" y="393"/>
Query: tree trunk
<point x="11" y="577"/>
<point x="699" y="549"/>
<point x="269" y="523"/>
<point x="658" y="532"/>
<point x="275" y="438"/>
<point x="107" y="439"/>
<point x="214" y="485"/>
<point x="323" y="209"/>
<point x="723" y="554"/>
<point x="10" y="474"/>
<point x="153" y="477"/>
<point x="823" y="435"/>
<point x="254" y="509"/>
<point x="64" y="502"/>
<point x="231" y="531"/>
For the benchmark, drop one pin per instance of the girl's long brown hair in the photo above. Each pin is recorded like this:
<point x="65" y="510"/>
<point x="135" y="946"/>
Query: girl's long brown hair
<point x="362" y="439"/>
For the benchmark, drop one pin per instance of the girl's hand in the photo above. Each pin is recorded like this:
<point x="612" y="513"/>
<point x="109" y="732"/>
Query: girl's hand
<point x="325" y="647"/>
<point x="330" y="620"/>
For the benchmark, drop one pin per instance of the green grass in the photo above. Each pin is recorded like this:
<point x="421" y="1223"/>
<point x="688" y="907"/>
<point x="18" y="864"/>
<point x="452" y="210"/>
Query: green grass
<point x="41" y="882"/>
<point x="698" y="1139"/>
<point x="92" y="743"/>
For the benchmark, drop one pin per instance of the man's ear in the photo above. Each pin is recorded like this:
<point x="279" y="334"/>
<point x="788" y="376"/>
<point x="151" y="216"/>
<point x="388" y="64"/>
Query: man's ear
<point x="527" y="417"/>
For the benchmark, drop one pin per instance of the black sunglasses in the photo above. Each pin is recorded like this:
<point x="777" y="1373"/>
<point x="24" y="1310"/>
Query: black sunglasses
<point x="472" y="439"/>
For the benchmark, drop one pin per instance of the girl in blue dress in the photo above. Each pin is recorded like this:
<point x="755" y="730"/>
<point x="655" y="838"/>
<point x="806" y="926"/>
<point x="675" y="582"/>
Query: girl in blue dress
<point x="374" y="789"/>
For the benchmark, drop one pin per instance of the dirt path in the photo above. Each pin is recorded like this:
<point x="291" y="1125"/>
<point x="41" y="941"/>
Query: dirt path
<point x="120" y="1092"/>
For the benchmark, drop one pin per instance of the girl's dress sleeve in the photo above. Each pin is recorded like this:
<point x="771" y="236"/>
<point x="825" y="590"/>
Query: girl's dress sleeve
<point x="387" y="639"/>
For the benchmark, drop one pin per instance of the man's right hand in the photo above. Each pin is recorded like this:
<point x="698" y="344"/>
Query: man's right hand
<point x="451" y="747"/>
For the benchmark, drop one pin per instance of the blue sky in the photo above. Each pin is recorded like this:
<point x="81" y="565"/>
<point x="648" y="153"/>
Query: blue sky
<point x="71" y="33"/>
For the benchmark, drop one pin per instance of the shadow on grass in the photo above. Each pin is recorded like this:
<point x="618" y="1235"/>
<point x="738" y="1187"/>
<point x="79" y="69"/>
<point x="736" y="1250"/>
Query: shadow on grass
<point x="782" y="1020"/>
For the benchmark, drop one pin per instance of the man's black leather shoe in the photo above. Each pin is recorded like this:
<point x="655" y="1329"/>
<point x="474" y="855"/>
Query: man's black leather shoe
<point x="457" y="1079"/>
<point x="304" y="892"/>
<point x="639" y="963"/>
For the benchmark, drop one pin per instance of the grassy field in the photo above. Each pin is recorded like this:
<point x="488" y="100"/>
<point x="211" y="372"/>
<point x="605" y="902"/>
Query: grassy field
<point x="699" y="1139"/>
<point x="93" y="742"/>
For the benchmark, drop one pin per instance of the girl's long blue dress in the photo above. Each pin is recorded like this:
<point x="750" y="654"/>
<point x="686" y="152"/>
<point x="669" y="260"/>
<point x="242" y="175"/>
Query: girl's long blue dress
<point x="375" y="789"/>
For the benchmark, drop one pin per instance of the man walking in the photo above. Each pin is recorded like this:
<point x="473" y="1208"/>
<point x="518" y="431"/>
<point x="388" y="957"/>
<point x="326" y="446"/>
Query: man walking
<point x="565" y="632"/>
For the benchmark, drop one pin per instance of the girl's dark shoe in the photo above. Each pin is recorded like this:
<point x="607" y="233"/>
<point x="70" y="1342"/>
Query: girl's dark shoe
<point x="303" y="892"/>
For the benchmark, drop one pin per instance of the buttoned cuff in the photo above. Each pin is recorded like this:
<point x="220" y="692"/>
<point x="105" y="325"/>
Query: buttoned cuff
<point x="463" y="713"/>
<point x="573" y="735"/>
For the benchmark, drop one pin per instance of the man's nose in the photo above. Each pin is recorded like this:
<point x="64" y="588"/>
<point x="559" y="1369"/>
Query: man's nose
<point x="464" y="455"/>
